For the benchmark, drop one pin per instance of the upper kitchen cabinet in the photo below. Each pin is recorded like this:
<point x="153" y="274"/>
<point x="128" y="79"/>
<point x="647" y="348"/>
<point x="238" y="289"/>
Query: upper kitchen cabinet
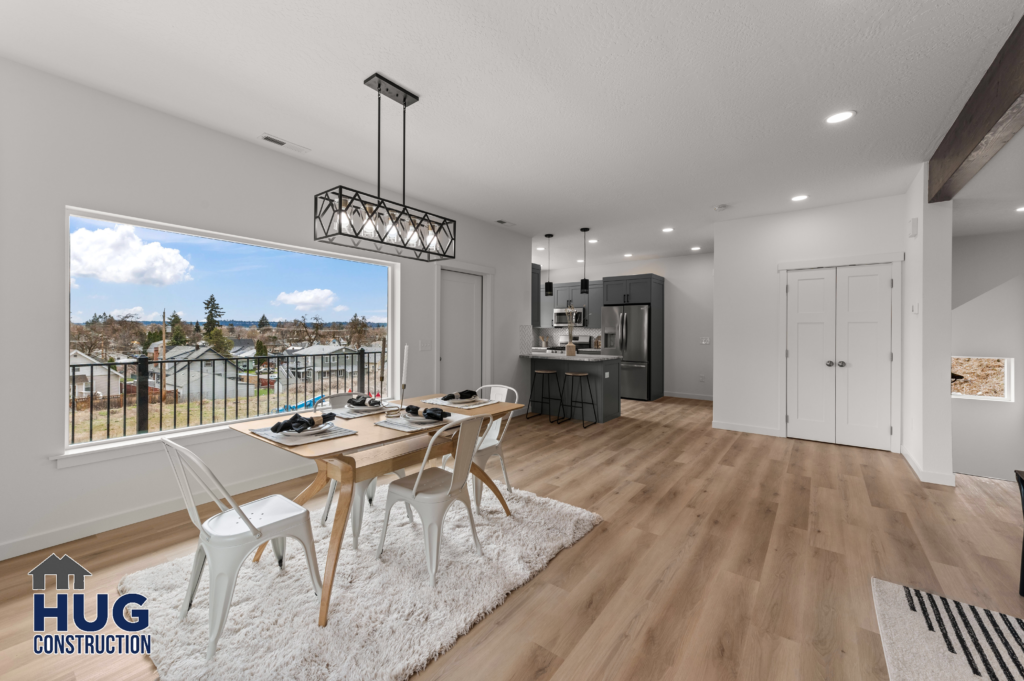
<point x="535" y="294"/>
<point x="632" y="290"/>
<point x="594" y="304"/>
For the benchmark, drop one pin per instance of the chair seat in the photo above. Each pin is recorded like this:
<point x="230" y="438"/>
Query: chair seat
<point x="573" y="373"/>
<point x="544" y="371"/>
<point x="486" y="443"/>
<point x="434" y="485"/>
<point x="263" y="514"/>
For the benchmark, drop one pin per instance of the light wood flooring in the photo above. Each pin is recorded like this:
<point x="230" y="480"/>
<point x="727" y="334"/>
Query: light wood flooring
<point x="722" y="555"/>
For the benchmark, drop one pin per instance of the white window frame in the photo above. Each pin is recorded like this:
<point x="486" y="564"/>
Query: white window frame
<point x="393" y="272"/>
<point x="1008" y="382"/>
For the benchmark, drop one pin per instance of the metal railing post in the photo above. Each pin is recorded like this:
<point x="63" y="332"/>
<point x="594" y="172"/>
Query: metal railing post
<point x="361" y="369"/>
<point x="142" y="395"/>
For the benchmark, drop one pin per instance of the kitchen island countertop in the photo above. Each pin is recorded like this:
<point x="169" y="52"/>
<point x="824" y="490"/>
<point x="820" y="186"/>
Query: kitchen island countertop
<point x="576" y="358"/>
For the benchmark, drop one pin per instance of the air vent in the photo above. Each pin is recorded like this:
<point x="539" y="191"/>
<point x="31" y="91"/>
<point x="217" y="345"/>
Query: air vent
<point x="284" y="144"/>
<point x="505" y="223"/>
<point x="502" y="222"/>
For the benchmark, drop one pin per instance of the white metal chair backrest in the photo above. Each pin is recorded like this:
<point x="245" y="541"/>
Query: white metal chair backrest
<point x="335" y="401"/>
<point x="500" y="393"/>
<point x="465" y="448"/>
<point x="184" y="462"/>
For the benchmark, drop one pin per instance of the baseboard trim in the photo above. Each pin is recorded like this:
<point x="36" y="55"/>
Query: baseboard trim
<point x="689" y="396"/>
<point x="756" y="430"/>
<point x="948" y="479"/>
<point x="43" y="540"/>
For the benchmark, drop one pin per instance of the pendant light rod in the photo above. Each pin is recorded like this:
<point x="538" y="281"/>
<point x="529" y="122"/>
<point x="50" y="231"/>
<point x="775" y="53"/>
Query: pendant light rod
<point x="378" y="140"/>
<point x="403" y="153"/>
<point x="548" y="288"/>
<point x="584" y="282"/>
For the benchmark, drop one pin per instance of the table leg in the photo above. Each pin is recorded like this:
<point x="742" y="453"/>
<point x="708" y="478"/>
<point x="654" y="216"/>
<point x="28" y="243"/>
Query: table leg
<point x="319" y="482"/>
<point x="337" y="535"/>
<point x="486" y="479"/>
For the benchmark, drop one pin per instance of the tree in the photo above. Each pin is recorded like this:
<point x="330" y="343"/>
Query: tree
<point x="355" y="331"/>
<point x="213" y="312"/>
<point x="311" y="331"/>
<point x="197" y="328"/>
<point x="261" y="349"/>
<point x="218" y="341"/>
<point x="179" y="336"/>
<point x="231" y="329"/>
<point x="151" y="337"/>
<point x="263" y="322"/>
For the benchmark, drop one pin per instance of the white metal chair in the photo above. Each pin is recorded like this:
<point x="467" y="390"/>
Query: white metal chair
<point x="490" y="443"/>
<point x="366" y="488"/>
<point x="226" y="539"/>
<point x="435" y="489"/>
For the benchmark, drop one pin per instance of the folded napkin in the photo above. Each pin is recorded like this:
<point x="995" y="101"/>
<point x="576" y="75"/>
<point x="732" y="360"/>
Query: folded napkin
<point x="364" y="401"/>
<point x="300" y="423"/>
<point x="434" y="413"/>
<point x="461" y="395"/>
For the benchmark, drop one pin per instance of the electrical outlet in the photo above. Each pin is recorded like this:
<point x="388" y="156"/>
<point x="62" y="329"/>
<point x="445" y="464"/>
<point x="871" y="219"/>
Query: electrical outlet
<point x="607" y="375"/>
<point x="705" y="340"/>
<point x="426" y="345"/>
<point x="701" y="378"/>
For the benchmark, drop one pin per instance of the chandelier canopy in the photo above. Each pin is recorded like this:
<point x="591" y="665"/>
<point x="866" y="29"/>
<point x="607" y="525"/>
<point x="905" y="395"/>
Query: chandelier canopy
<point x="348" y="217"/>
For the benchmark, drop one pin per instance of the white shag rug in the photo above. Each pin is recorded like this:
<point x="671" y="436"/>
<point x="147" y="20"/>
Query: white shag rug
<point x="933" y="638"/>
<point x="385" y="621"/>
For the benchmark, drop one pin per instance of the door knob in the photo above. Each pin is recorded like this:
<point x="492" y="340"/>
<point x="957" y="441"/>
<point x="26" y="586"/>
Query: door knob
<point x="841" y="363"/>
<point x="829" y="363"/>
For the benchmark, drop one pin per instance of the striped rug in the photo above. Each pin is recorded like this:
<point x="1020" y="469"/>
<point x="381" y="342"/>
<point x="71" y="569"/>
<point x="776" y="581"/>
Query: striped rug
<point x="932" y="637"/>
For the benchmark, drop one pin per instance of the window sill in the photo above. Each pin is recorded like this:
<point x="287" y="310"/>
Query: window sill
<point x="981" y="398"/>
<point x="147" y="444"/>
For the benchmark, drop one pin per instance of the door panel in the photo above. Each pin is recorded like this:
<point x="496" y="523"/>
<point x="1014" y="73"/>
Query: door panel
<point x="562" y="296"/>
<point x="615" y="292"/>
<point x="863" y="333"/>
<point x="639" y="291"/>
<point x="810" y="342"/>
<point x="461" y="331"/>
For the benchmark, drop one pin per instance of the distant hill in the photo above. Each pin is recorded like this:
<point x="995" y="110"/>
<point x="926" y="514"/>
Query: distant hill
<point x="236" y="322"/>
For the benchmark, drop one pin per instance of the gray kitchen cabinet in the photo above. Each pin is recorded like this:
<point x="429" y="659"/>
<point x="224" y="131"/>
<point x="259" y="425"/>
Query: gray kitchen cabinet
<point x="635" y="290"/>
<point x="563" y="292"/>
<point x="594" y="305"/>
<point x="535" y="294"/>
<point x="547" y="308"/>
<point x="615" y="290"/>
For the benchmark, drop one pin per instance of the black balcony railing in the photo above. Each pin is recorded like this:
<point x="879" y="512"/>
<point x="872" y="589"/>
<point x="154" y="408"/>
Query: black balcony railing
<point x="143" y="395"/>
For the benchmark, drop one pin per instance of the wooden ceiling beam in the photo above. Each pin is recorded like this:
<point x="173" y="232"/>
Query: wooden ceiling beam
<point x="991" y="117"/>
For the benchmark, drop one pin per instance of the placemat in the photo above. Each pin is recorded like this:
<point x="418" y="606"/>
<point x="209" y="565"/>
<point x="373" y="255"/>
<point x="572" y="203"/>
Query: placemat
<point x="474" y="405"/>
<point x="399" y="423"/>
<point x="294" y="440"/>
<point x="343" y="414"/>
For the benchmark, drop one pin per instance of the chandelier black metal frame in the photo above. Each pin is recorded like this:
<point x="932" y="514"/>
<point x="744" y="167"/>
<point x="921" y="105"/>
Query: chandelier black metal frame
<point x="348" y="217"/>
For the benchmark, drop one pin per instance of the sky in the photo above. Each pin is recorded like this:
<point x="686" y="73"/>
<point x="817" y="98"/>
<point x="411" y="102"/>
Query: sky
<point x="118" y="268"/>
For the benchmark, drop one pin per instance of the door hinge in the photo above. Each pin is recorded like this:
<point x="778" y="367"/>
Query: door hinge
<point x="891" y="285"/>
<point x="891" y="357"/>
<point x="890" y="430"/>
<point x="787" y="354"/>
<point x="787" y="418"/>
<point x="787" y="288"/>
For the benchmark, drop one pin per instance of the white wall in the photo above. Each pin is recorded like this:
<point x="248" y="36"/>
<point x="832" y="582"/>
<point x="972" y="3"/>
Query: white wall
<point x="63" y="144"/>
<point x="689" y="288"/>
<point x="988" y="321"/>
<point x="748" y="356"/>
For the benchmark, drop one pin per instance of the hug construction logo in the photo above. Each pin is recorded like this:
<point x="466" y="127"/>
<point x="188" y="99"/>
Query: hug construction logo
<point x="86" y="640"/>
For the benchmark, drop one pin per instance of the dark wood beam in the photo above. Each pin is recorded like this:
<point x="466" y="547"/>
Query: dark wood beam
<point x="991" y="117"/>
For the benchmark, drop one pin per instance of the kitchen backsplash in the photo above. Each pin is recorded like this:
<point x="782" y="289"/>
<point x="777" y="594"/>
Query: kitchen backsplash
<point x="529" y="336"/>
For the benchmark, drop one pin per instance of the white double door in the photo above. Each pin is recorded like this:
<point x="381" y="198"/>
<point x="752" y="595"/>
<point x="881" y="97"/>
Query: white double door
<point x="839" y="355"/>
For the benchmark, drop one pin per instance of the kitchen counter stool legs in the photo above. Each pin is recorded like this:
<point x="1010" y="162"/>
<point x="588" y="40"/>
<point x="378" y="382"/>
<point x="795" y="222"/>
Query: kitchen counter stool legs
<point x="545" y="397"/>
<point x="576" y="380"/>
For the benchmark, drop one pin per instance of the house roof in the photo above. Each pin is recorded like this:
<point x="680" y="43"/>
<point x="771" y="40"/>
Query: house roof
<point x="79" y="358"/>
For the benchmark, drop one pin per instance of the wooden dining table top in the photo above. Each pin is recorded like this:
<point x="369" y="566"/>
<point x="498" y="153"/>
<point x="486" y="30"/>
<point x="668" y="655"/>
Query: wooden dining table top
<point x="367" y="435"/>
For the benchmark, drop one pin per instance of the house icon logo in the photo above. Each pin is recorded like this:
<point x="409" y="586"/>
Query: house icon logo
<point x="61" y="568"/>
<point x="92" y="636"/>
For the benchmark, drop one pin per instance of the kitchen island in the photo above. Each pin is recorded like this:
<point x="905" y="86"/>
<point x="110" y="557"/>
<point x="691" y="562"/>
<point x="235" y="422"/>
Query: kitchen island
<point x="603" y="371"/>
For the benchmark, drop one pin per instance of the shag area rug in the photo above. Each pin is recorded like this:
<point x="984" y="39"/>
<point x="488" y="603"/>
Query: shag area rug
<point x="936" y="638"/>
<point x="385" y="622"/>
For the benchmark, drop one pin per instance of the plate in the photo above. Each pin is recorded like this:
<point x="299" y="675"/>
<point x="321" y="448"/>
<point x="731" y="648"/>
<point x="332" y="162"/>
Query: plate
<point x="419" y="420"/>
<point x="353" y="408"/>
<point x="310" y="431"/>
<point x="458" y="401"/>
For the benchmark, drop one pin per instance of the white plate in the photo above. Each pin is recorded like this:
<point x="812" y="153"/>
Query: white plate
<point x="362" y="409"/>
<point x="419" y="420"/>
<point x="310" y="431"/>
<point x="458" y="401"/>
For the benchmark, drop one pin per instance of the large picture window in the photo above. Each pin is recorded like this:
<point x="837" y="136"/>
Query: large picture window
<point x="983" y="378"/>
<point x="171" y="330"/>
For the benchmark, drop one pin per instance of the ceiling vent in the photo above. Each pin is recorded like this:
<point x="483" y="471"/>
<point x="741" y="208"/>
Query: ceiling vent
<point x="505" y="223"/>
<point x="284" y="144"/>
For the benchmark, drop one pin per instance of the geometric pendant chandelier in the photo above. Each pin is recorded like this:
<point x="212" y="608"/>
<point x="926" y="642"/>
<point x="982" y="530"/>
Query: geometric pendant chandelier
<point x="357" y="219"/>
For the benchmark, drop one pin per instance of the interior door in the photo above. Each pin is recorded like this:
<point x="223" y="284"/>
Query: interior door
<point x="863" y="372"/>
<point x="810" y="347"/>
<point x="461" y="331"/>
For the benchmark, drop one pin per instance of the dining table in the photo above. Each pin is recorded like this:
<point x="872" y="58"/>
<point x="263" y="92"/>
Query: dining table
<point x="371" y="452"/>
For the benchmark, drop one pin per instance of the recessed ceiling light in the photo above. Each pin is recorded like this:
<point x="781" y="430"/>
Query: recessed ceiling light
<point x="593" y="241"/>
<point x="694" y="248"/>
<point x="540" y="248"/>
<point x="666" y="229"/>
<point x="629" y="255"/>
<point x="841" y="116"/>
<point x="800" y="197"/>
<point x="579" y="261"/>
<point x="1021" y="209"/>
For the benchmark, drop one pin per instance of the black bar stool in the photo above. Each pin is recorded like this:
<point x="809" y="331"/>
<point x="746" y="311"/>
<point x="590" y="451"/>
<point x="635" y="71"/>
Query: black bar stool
<point x="576" y="380"/>
<point x="545" y="398"/>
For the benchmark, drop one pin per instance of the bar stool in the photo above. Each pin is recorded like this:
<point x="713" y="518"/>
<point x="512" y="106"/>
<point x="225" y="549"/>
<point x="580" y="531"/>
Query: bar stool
<point x="545" y="399"/>
<point x="575" y="379"/>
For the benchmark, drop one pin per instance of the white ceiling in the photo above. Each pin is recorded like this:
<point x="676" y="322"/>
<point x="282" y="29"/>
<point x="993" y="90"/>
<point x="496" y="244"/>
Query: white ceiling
<point x="989" y="202"/>
<point x="622" y="116"/>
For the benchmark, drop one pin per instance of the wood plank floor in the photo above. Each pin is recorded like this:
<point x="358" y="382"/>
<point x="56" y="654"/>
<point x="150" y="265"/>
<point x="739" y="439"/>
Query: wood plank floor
<point x="722" y="555"/>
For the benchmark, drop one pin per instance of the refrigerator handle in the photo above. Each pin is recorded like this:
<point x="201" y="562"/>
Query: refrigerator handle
<point x="618" y="331"/>
<point x="625" y="330"/>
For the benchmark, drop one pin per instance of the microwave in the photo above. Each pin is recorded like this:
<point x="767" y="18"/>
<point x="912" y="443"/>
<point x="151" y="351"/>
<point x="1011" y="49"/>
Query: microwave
<point x="562" y="317"/>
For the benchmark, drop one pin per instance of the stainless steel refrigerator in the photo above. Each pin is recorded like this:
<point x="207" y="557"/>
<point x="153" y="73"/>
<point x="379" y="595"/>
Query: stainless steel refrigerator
<point x="625" y="331"/>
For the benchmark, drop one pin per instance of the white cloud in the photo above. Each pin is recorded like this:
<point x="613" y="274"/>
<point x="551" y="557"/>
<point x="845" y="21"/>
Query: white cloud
<point x="138" y="312"/>
<point x="119" y="256"/>
<point x="307" y="301"/>
<point x="74" y="284"/>
<point x="377" y="319"/>
<point x="341" y="308"/>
